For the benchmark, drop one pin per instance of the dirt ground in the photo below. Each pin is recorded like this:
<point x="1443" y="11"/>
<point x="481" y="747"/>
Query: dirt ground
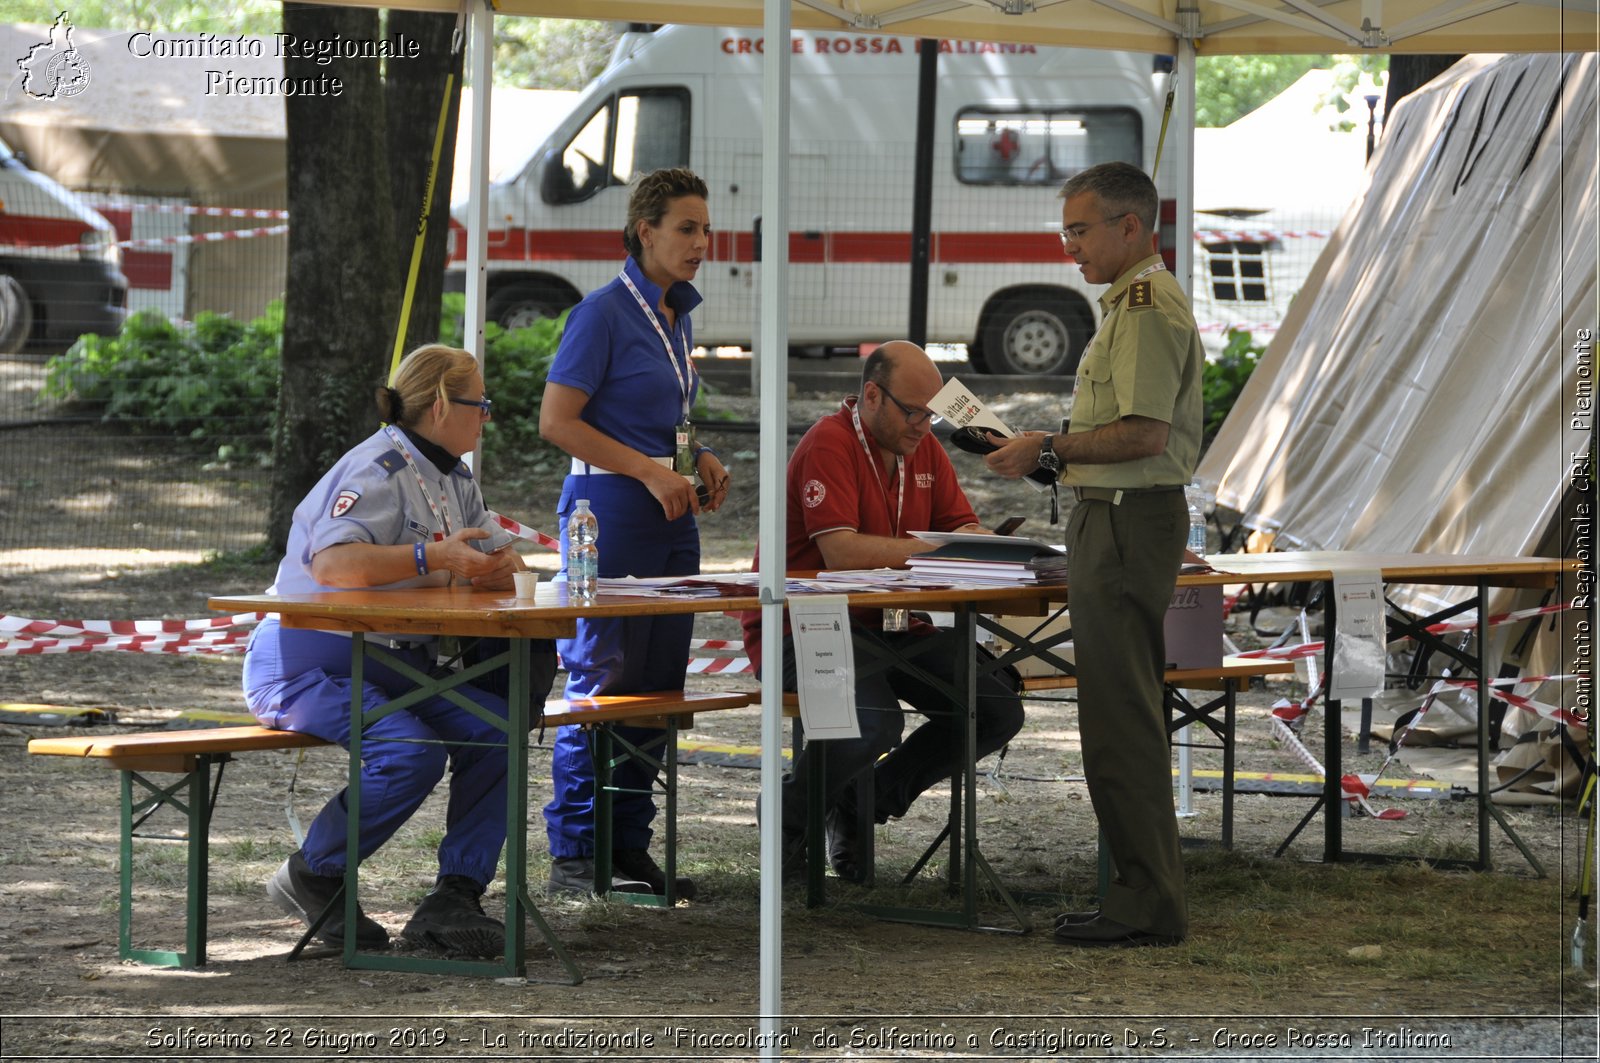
<point x="1288" y="957"/>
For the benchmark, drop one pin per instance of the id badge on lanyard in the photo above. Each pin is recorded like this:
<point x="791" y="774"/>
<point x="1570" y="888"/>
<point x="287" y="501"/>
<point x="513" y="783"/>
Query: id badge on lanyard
<point x="683" y="454"/>
<point x="683" y="432"/>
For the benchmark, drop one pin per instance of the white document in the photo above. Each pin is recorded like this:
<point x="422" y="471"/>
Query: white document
<point x="957" y="404"/>
<point x="825" y="662"/>
<point x="1359" y="649"/>
<point x="962" y="408"/>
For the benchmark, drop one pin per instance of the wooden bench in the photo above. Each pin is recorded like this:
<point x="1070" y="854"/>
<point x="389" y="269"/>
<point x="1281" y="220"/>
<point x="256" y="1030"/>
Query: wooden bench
<point x="668" y="711"/>
<point x="191" y="755"/>
<point x="199" y="756"/>
<point x="1228" y="678"/>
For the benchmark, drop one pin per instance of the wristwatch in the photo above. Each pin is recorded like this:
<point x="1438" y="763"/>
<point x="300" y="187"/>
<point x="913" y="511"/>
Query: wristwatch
<point x="1049" y="461"/>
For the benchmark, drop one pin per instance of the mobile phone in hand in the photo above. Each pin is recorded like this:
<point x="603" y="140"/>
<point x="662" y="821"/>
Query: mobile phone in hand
<point x="1009" y="525"/>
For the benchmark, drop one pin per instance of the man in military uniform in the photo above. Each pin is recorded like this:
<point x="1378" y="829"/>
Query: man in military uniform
<point x="1129" y="449"/>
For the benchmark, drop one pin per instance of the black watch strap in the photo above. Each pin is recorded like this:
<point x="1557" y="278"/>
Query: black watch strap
<point x="1048" y="459"/>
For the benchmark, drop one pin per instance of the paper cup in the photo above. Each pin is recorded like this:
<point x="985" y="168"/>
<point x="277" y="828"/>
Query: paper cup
<point x="527" y="583"/>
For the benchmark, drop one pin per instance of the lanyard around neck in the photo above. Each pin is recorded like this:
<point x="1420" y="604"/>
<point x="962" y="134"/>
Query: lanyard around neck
<point x="873" y="460"/>
<point x="441" y="511"/>
<point x="686" y="374"/>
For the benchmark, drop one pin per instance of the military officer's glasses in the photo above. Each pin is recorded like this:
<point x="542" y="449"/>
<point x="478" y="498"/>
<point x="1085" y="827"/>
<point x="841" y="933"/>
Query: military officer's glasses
<point x="485" y="407"/>
<point x="1074" y="234"/>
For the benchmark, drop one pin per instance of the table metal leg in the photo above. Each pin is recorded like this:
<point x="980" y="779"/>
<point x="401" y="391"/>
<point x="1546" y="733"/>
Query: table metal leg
<point x="519" y="905"/>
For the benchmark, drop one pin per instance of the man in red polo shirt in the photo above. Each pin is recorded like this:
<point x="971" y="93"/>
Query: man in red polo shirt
<point x="859" y="482"/>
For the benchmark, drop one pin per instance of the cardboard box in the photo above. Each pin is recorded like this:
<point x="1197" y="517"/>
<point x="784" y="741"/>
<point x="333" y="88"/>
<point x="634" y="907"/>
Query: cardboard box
<point x="1030" y="626"/>
<point x="1193" y="632"/>
<point x="1193" y="628"/>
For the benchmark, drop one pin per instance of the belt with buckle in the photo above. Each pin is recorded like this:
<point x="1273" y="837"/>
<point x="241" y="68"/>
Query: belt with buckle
<point x="1114" y="495"/>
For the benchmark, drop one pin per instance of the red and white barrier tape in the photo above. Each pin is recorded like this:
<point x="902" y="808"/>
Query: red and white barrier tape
<point x="1517" y="696"/>
<point x="169" y="241"/>
<point x="1258" y="236"/>
<point x="194" y="211"/>
<point x="1496" y="619"/>
<point x="207" y="642"/>
<point x="1287" y="653"/>
<point x="1238" y="326"/>
<point x="204" y="238"/>
<point x="720" y="666"/>
<point x="22" y="626"/>
<point x="1309" y="649"/>
<point x="716" y="644"/>
<point x="522" y="531"/>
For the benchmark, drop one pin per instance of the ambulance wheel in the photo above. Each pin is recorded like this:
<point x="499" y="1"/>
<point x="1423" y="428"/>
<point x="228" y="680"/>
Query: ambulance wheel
<point x="520" y="305"/>
<point x="1036" y="334"/>
<point x="16" y="316"/>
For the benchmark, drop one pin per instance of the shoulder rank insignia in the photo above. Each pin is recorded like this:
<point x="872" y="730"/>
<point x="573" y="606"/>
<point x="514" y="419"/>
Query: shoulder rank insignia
<point x="463" y="469"/>
<point x="391" y="461"/>
<point x="1140" y="295"/>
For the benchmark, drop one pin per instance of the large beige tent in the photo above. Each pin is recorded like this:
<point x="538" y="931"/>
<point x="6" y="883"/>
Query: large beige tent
<point x="1414" y="400"/>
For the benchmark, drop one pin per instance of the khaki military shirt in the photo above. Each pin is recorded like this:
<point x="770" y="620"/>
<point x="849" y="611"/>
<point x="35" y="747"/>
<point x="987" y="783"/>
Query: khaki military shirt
<point x="1145" y="361"/>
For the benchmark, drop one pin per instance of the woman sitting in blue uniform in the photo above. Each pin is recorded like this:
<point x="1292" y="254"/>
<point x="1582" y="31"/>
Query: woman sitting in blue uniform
<point x="400" y="510"/>
<point x="617" y="399"/>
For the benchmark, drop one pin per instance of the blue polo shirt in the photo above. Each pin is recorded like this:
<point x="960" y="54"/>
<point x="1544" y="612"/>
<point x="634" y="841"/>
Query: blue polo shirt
<point x="611" y="352"/>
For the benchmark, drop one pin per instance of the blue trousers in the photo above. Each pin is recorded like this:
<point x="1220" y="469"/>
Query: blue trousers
<point x="300" y="681"/>
<point x="618" y="657"/>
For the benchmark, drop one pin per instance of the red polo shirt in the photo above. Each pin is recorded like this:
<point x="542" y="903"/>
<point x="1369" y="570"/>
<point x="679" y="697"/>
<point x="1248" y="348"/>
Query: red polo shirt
<point x="835" y="483"/>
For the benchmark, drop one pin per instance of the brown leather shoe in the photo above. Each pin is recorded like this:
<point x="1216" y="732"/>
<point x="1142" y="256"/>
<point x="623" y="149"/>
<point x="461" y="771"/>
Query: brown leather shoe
<point x="1071" y="918"/>
<point x="1105" y="933"/>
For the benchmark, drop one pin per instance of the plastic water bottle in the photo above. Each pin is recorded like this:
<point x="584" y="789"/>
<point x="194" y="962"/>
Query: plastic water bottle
<point x="1197" y="518"/>
<point x="583" y="555"/>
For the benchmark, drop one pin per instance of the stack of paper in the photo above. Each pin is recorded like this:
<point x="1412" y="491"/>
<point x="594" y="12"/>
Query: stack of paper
<point x="976" y="558"/>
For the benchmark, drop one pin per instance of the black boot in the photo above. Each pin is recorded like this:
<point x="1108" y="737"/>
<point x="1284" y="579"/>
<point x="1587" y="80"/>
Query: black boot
<point x="451" y="919"/>
<point x="639" y="864"/>
<point x="574" y="875"/>
<point x="844" y="843"/>
<point x="302" y="893"/>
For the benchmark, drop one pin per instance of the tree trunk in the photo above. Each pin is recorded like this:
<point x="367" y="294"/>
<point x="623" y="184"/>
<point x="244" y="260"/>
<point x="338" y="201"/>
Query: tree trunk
<point x="412" y="92"/>
<point x="342" y="289"/>
<point x="1408" y="73"/>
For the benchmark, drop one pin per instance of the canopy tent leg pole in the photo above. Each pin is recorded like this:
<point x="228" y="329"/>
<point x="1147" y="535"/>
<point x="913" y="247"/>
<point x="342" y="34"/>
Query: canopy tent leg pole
<point x="772" y="351"/>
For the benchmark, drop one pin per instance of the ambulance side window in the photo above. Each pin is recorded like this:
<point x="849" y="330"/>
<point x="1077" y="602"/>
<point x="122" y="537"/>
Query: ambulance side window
<point x="630" y="133"/>
<point x="1042" y="145"/>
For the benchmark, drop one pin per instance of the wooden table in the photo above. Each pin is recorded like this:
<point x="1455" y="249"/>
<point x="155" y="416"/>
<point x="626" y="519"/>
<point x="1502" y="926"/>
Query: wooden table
<point x="461" y="611"/>
<point x="1478" y="572"/>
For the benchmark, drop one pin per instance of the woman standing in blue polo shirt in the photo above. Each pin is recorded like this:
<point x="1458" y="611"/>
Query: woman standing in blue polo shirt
<point x="617" y="400"/>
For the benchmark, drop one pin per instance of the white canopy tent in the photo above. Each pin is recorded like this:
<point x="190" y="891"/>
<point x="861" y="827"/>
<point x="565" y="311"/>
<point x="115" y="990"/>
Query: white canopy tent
<point x="1201" y="27"/>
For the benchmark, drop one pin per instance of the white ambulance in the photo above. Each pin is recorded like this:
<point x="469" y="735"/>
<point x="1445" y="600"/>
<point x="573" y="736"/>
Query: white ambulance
<point x="1012" y="122"/>
<point x="60" y="267"/>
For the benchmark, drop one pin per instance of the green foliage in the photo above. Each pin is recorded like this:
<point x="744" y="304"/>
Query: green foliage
<point x="551" y="53"/>
<point x="1225" y="378"/>
<point x="253" y="17"/>
<point x="214" y="380"/>
<point x="1228" y="87"/>
<point x="515" y="366"/>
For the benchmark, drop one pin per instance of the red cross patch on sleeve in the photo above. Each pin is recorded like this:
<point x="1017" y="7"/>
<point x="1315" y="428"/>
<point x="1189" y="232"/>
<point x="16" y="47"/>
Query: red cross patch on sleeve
<point x="343" y="501"/>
